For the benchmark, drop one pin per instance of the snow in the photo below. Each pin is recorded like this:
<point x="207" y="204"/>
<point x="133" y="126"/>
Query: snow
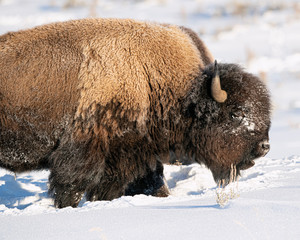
<point x="262" y="36"/>
<point x="268" y="208"/>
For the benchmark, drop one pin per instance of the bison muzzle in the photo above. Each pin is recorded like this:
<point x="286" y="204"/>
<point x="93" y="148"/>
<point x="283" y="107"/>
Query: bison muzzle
<point x="103" y="102"/>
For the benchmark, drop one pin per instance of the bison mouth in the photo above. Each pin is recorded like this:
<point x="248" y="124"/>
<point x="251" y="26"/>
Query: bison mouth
<point x="245" y="165"/>
<point x="260" y="151"/>
<point x="231" y="175"/>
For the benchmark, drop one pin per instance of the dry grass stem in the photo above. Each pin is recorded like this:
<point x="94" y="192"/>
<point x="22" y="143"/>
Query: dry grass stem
<point x="263" y="76"/>
<point x="93" y="8"/>
<point x="250" y="56"/>
<point x="177" y="163"/>
<point x="225" y="194"/>
<point x="73" y="3"/>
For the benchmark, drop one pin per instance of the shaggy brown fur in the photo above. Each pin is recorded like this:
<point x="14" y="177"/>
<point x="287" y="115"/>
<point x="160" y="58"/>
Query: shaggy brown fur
<point x="102" y="101"/>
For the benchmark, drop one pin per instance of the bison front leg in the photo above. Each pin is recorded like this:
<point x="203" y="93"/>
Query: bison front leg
<point x="152" y="183"/>
<point x="119" y="183"/>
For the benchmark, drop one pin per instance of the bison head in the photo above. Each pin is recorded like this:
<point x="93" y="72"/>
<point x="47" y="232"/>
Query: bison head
<point x="229" y="112"/>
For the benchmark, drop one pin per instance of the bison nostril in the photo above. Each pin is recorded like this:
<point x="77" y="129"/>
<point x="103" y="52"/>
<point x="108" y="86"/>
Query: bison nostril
<point x="265" y="145"/>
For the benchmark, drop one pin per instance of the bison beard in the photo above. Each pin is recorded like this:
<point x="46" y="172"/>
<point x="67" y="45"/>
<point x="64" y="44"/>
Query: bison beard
<point x="103" y="102"/>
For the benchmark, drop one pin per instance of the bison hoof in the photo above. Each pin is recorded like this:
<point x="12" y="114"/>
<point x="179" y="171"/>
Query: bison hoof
<point x="163" y="191"/>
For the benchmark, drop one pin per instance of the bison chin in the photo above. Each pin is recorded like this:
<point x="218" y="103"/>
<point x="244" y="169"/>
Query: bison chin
<point x="226" y="175"/>
<point x="245" y="165"/>
<point x="228" y="171"/>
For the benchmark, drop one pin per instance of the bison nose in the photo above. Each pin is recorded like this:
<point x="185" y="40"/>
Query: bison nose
<point x="265" y="145"/>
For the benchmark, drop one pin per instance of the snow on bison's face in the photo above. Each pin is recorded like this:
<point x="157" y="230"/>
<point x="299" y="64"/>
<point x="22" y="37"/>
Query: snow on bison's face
<point x="234" y="125"/>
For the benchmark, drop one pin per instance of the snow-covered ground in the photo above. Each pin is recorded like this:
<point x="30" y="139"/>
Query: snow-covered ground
<point x="261" y="35"/>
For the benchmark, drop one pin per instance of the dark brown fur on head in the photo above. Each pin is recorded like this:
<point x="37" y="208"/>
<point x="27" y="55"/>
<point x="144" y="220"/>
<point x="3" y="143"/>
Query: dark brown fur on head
<point x="234" y="132"/>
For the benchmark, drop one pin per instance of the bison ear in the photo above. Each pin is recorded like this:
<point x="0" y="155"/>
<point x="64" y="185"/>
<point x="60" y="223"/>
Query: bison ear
<point x="217" y="93"/>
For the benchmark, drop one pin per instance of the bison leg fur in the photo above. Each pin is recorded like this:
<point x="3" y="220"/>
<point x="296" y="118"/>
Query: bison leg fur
<point x="107" y="189"/>
<point x="73" y="170"/>
<point x="117" y="185"/>
<point x="64" y="194"/>
<point x="152" y="183"/>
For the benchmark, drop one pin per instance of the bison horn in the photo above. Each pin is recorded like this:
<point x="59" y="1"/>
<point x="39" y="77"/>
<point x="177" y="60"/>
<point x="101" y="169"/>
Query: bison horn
<point x="217" y="93"/>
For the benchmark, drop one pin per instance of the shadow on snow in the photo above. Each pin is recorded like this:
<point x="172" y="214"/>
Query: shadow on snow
<point x="21" y="192"/>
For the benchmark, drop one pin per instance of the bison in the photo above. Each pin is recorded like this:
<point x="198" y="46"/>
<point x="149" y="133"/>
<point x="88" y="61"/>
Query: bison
<point x="102" y="102"/>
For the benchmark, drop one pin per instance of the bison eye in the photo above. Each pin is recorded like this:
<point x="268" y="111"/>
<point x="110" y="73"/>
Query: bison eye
<point x="237" y="116"/>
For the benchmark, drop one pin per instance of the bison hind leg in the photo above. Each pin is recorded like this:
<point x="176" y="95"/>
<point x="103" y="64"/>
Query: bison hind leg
<point x="71" y="173"/>
<point x="65" y="196"/>
<point x="152" y="183"/>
